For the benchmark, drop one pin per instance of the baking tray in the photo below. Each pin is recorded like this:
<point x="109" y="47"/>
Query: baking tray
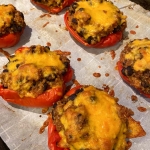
<point x="19" y="126"/>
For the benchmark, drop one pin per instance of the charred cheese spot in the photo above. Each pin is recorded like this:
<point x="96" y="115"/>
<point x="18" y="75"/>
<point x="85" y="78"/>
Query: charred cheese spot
<point x="94" y="19"/>
<point x="33" y="70"/>
<point x="11" y="20"/>
<point x="92" y="121"/>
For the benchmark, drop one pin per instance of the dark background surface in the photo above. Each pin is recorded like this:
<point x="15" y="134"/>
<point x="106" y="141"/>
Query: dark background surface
<point x="144" y="3"/>
<point x="3" y="146"/>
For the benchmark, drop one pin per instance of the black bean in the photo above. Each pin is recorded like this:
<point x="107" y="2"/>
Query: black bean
<point x="70" y="136"/>
<point x="5" y="70"/>
<point x="47" y="49"/>
<point x="117" y="29"/>
<point x="64" y="71"/>
<point x="72" y="97"/>
<point x="79" y="91"/>
<point x="5" y="86"/>
<point x="81" y="33"/>
<point x="85" y="136"/>
<point x="75" y="21"/>
<point x="21" y="14"/>
<point x="93" y="98"/>
<point x="147" y="71"/>
<point x="33" y="46"/>
<point x="127" y="71"/>
<point x="74" y="5"/>
<point x="81" y="9"/>
<point x="45" y="86"/>
<point x="10" y="13"/>
<point x="89" y="39"/>
<point x="15" y="60"/>
<point x="145" y="84"/>
<point x="34" y="83"/>
<point x="18" y="28"/>
<point x="12" y="56"/>
<point x="54" y="105"/>
<point x="71" y="11"/>
<point x="51" y="78"/>
<point x="66" y="63"/>
<point x="32" y="49"/>
<point x="17" y="65"/>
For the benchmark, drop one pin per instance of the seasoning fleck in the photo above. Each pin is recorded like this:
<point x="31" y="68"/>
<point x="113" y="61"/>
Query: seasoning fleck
<point x="45" y="24"/>
<point x="78" y="59"/>
<point x="141" y="109"/>
<point x="112" y="93"/>
<point x="137" y="26"/>
<point x="113" y="54"/>
<point x="134" y="98"/>
<point x="132" y="32"/>
<point x="96" y="74"/>
<point x="45" y="15"/>
<point x="106" y="74"/>
<point x="48" y="44"/>
<point x="106" y="88"/>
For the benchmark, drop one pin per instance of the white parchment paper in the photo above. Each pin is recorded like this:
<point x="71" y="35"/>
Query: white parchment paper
<point x="19" y="126"/>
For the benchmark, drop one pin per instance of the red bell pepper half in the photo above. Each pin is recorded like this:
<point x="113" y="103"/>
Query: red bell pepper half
<point x="44" y="100"/>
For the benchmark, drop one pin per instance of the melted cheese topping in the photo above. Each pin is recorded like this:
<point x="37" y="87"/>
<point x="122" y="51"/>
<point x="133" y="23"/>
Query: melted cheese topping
<point x="140" y="53"/>
<point x="6" y="15"/>
<point x="104" y="17"/>
<point x="103" y="13"/>
<point x="39" y="59"/>
<point x="104" y="126"/>
<point x="30" y="73"/>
